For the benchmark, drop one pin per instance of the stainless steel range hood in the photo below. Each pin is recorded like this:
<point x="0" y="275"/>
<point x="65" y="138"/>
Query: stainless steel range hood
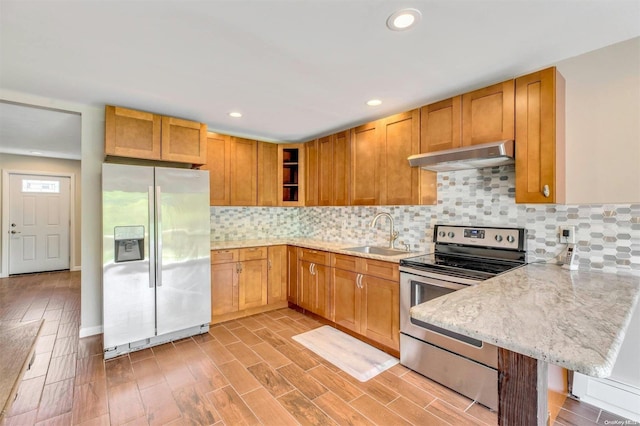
<point x="469" y="157"/>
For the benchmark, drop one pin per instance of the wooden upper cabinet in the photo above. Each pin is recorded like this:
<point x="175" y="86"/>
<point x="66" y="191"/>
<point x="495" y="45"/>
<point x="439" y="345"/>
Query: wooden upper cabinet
<point x="311" y="173"/>
<point x="138" y="134"/>
<point x="364" y="168"/>
<point x="291" y="174"/>
<point x="244" y="159"/>
<point x="219" y="166"/>
<point x="325" y="171"/>
<point x="183" y="141"/>
<point x="399" y="138"/>
<point x="540" y="137"/>
<point x="341" y="173"/>
<point x="488" y="114"/>
<point x="267" y="174"/>
<point x="441" y="125"/>
<point x="130" y="133"/>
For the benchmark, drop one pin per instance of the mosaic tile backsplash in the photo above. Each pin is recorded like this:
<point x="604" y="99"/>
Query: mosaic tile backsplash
<point x="607" y="236"/>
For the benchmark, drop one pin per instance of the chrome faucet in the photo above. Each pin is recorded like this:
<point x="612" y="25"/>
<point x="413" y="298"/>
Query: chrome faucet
<point x="392" y="234"/>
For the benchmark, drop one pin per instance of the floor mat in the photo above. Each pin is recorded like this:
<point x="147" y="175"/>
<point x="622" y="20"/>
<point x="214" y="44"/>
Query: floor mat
<point x="351" y="355"/>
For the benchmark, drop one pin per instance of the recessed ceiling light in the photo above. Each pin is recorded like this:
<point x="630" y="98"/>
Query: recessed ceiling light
<point x="235" y="114"/>
<point x="403" y="19"/>
<point x="374" y="102"/>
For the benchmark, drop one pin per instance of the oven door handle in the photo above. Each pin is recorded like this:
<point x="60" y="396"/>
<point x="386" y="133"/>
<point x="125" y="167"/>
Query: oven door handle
<point x="433" y="281"/>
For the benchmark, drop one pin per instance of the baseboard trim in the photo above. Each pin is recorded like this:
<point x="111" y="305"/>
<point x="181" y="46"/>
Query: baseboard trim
<point x="615" y="397"/>
<point x="76" y="268"/>
<point x="90" y="331"/>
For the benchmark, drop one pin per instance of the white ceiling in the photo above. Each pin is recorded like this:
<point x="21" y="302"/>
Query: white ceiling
<point x="295" y="69"/>
<point x="27" y="130"/>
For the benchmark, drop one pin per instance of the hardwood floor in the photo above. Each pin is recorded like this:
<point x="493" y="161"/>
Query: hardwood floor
<point x="245" y="371"/>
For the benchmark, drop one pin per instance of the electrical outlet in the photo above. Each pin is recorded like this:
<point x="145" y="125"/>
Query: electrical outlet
<point x="567" y="234"/>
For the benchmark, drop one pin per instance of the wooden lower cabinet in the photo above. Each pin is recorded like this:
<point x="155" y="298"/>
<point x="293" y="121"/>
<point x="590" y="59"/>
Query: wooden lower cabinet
<point x="252" y="284"/>
<point x="240" y="281"/>
<point x="367" y="304"/>
<point x="346" y="299"/>
<point x="277" y="274"/>
<point x="224" y="289"/>
<point x="292" y="274"/>
<point x="380" y="311"/>
<point x="314" y="283"/>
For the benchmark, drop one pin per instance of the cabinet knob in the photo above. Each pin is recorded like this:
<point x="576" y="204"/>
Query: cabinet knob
<point x="546" y="191"/>
<point x="269" y="264"/>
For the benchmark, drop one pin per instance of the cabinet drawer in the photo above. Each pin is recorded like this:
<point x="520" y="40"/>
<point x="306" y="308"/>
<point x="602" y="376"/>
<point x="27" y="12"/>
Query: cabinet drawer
<point x="315" y="256"/>
<point x="381" y="269"/>
<point x="223" y="256"/>
<point x="348" y="263"/>
<point x="253" y="253"/>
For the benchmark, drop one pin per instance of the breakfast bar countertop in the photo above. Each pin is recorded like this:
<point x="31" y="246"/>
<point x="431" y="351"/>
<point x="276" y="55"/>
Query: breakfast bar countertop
<point x="335" y="247"/>
<point x="576" y="320"/>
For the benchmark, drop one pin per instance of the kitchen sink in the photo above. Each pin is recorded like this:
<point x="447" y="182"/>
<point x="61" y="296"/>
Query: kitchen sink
<point x="384" y="251"/>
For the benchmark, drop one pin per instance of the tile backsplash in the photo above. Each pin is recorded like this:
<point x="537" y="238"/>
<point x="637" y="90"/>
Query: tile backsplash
<point x="607" y="236"/>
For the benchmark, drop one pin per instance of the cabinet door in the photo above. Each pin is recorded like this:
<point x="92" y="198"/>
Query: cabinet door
<point x="341" y="168"/>
<point x="540" y="137"/>
<point x="488" y="114"/>
<point x="311" y="170"/>
<point x="346" y="299"/>
<point x="325" y="171"/>
<point x="184" y="141"/>
<point x="364" y="164"/>
<point x="306" y="286"/>
<point x="252" y="284"/>
<point x="292" y="275"/>
<point x="219" y="166"/>
<point x="244" y="161"/>
<point x="130" y="133"/>
<point x="224" y="288"/>
<point x="440" y="125"/>
<point x="267" y="174"/>
<point x="399" y="138"/>
<point x="380" y="319"/>
<point x="277" y="279"/>
<point x="322" y="306"/>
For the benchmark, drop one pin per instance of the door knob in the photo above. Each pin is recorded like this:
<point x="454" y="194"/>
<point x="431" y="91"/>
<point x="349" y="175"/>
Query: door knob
<point x="15" y="232"/>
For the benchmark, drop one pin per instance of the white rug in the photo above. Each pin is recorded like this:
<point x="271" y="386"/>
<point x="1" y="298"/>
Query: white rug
<point x="349" y="354"/>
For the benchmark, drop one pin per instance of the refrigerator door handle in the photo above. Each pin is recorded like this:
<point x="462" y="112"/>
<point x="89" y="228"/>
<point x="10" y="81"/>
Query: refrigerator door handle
<point x="152" y="245"/>
<point x="159" y="236"/>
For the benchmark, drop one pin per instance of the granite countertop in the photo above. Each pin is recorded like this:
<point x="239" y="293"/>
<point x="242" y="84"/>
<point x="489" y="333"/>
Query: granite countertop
<point x="335" y="247"/>
<point x="576" y="319"/>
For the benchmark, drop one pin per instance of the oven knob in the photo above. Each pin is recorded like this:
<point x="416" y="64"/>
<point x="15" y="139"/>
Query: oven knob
<point x="451" y="234"/>
<point x="499" y="238"/>
<point x="510" y="238"/>
<point x="442" y="234"/>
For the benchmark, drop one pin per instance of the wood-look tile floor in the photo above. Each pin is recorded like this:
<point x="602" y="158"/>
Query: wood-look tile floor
<point x="246" y="371"/>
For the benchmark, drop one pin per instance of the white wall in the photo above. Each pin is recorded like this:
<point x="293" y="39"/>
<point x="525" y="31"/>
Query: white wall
<point x="603" y="124"/>
<point x="92" y="139"/>
<point x="52" y="165"/>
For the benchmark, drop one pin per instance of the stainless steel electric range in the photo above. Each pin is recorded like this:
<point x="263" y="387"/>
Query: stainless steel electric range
<point x="463" y="256"/>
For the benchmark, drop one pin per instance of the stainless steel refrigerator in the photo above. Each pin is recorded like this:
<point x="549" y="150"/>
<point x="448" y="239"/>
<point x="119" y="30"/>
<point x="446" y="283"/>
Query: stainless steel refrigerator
<point x="156" y="256"/>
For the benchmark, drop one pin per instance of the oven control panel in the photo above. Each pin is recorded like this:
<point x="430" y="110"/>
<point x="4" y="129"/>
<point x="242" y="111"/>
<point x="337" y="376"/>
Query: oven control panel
<point x="509" y="238"/>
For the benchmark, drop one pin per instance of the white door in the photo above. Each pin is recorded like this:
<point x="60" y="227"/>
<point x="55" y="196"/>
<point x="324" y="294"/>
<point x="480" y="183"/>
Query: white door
<point x="38" y="223"/>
